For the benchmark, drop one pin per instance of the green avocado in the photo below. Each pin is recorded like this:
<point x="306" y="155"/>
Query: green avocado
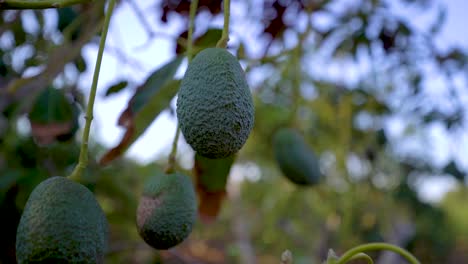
<point x="61" y="223"/>
<point x="214" y="106"/>
<point x="295" y="159"/>
<point x="167" y="210"/>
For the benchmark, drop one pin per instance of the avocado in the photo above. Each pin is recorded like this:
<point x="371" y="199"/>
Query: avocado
<point x="214" y="106"/>
<point x="61" y="223"/>
<point x="167" y="210"/>
<point x="295" y="159"/>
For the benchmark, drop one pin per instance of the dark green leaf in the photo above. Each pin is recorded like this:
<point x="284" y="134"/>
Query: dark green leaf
<point x="453" y="170"/>
<point x="80" y="64"/>
<point x="207" y="40"/>
<point x="117" y="87"/>
<point x="152" y="86"/>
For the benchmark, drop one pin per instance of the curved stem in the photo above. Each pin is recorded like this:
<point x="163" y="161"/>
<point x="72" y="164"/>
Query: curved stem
<point x="362" y="256"/>
<point x="193" y="12"/>
<point x="83" y="161"/>
<point x="376" y="246"/>
<point x="222" y="43"/>
<point x="43" y="4"/>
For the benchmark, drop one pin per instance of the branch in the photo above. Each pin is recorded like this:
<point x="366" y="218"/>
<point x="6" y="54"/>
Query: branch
<point x="143" y="21"/>
<point x="43" y="4"/>
<point x="189" y="52"/>
<point x="18" y="89"/>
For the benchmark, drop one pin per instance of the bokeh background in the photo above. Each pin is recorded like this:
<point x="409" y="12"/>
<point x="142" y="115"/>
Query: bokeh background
<point x="378" y="89"/>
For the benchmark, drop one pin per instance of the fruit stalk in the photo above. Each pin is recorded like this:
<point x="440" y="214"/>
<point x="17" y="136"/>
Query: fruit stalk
<point x="83" y="160"/>
<point x="222" y="43"/>
<point x="193" y="11"/>
<point x="347" y="256"/>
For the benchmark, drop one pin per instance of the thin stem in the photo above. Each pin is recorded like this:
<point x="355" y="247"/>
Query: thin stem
<point x="83" y="161"/>
<point x="43" y="4"/>
<point x="193" y="12"/>
<point x="362" y="256"/>
<point x="222" y="43"/>
<point x="172" y="156"/>
<point x="376" y="246"/>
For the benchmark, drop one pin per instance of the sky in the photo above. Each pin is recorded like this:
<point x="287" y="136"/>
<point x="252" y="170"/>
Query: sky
<point x="127" y="35"/>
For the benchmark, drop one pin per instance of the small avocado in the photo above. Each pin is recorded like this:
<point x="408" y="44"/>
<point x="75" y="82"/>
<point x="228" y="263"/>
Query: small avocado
<point x="214" y="106"/>
<point x="295" y="159"/>
<point x="167" y="210"/>
<point x="61" y="223"/>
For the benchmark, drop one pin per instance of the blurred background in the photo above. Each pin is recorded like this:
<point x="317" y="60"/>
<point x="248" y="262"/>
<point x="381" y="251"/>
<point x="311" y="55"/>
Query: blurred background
<point x="377" y="88"/>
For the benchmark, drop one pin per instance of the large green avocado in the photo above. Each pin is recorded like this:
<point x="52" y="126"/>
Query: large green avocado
<point x="61" y="223"/>
<point x="214" y="106"/>
<point x="295" y="159"/>
<point x="167" y="210"/>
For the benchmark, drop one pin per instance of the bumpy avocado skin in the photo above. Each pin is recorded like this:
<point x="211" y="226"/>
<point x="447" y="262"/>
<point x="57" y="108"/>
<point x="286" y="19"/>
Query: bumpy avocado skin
<point x="61" y="223"/>
<point x="214" y="106"/>
<point x="295" y="159"/>
<point x="167" y="210"/>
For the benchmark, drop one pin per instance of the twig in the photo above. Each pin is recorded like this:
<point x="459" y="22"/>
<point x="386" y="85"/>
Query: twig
<point x="222" y="43"/>
<point x="120" y="55"/>
<point x="193" y="11"/>
<point x="28" y="4"/>
<point x="83" y="160"/>
<point x="142" y="18"/>
<point x="17" y="89"/>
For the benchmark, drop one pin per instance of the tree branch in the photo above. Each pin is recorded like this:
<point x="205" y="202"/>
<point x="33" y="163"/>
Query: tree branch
<point x="21" y="88"/>
<point x="43" y="4"/>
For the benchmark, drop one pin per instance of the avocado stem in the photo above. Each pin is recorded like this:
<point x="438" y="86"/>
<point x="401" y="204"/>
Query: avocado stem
<point x="83" y="160"/>
<point x="193" y="12"/>
<point x="222" y="43"/>
<point x="376" y="246"/>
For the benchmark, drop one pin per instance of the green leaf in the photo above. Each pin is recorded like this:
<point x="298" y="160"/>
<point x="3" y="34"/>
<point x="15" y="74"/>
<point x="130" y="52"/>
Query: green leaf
<point x="51" y="106"/>
<point x="117" y="87"/>
<point x="211" y="177"/>
<point x="207" y="40"/>
<point x="66" y="18"/>
<point x="51" y="115"/>
<point x="212" y="174"/>
<point x="452" y="169"/>
<point x="153" y="85"/>
<point x="80" y="64"/>
<point x="144" y="107"/>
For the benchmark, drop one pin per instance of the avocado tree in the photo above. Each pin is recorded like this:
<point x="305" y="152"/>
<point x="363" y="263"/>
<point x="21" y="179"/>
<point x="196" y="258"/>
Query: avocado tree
<point x="255" y="110"/>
